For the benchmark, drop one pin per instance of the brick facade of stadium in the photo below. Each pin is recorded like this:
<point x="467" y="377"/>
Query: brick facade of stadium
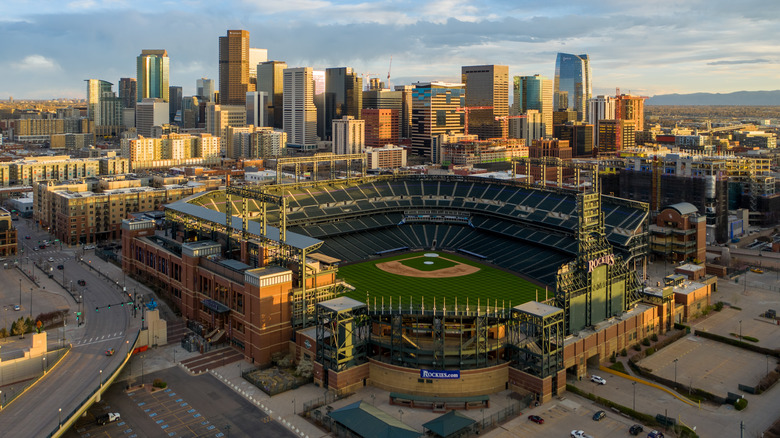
<point x="257" y="319"/>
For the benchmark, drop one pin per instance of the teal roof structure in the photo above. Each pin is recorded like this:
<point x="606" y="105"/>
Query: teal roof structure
<point x="371" y="422"/>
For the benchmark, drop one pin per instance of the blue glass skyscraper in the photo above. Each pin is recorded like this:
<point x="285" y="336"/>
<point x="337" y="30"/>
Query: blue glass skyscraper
<point x="572" y="87"/>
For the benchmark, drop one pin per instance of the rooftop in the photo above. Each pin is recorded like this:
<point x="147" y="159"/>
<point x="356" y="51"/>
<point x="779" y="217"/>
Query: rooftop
<point x="537" y="308"/>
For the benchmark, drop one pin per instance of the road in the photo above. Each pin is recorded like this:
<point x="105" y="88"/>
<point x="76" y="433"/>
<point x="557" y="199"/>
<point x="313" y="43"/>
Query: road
<point x="37" y="412"/>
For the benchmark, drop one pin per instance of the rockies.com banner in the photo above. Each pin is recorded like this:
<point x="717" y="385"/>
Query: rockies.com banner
<point x="437" y="374"/>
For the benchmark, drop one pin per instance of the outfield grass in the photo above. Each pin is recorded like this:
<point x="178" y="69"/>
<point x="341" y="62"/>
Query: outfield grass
<point x="419" y="263"/>
<point x="487" y="283"/>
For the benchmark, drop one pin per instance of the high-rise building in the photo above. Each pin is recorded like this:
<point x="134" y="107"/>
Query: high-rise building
<point x="319" y="101"/>
<point x="174" y="103"/>
<point x="233" y="67"/>
<point x="349" y="136"/>
<point x="600" y="108"/>
<point x="149" y="113"/>
<point x="104" y="108"/>
<point x="343" y="96"/>
<point x="572" y="88"/>
<point x="534" y="93"/>
<point x="152" y="72"/>
<point x="406" y="109"/>
<point x="190" y="111"/>
<point x="385" y="99"/>
<point x="256" y="56"/>
<point x="256" y="104"/>
<point x="127" y="92"/>
<point x="270" y="80"/>
<point x="530" y="128"/>
<point x="616" y="135"/>
<point x="579" y="135"/>
<point x="205" y="89"/>
<point x="628" y="107"/>
<point x="300" y="114"/>
<point x="487" y="86"/>
<point x="434" y="112"/>
<point x="381" y="126"/>
<point x="221" y="117"/>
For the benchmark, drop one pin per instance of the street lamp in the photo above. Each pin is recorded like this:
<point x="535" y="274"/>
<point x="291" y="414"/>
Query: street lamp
<point x="634" y="385"/>
<point x="293" y="403"/>
<point x="20" y="292"/>
<point x="740" y="329"/>
<point x="60" y="416"/>
<point x="31" y="303"/>
<point x="401" y="412"/>
<point x="101" y="379"/>
<point x="43" y="365"/>
<point x="675" y="372"/>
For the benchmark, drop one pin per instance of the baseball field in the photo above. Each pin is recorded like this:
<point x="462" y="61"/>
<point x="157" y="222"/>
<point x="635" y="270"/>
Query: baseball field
<point x="429" y="274"/>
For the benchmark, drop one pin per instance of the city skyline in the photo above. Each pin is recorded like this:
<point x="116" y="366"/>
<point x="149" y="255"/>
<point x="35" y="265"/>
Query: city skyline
<point x="647" y="49"/>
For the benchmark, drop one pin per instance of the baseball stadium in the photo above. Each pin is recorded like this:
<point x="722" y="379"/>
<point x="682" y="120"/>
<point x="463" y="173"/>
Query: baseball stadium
<point x="424" y="285"/>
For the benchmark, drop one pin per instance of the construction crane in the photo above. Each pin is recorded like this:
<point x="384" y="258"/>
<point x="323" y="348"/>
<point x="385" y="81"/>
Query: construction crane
<point x="388" y="70"/>
<point x="465" y="110"/>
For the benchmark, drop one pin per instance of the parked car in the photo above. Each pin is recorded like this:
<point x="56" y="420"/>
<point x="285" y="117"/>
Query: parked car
<point x="635" y="429"/>
<point x="536" y="419"/>
<point x="107" y="418"/>
<point x="60" y="267"/>
<point x="51" y="259"/>
<point x="110" y="352"/>
<point x="597" y="379"/>
<point x="82" y="283"/>
<point x="655" y="434"/>
<point x="599" y="415"/>
<point x="579" y="434"/>
<point x="27" y="237"/>
<point x="17" y="307"/>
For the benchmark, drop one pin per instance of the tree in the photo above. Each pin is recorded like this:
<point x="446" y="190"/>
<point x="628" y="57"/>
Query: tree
<point x="305" y="368"/>
<point x="18" y="327"/>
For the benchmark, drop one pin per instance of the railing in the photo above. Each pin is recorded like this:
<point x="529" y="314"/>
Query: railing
<point x="70" y="418"/>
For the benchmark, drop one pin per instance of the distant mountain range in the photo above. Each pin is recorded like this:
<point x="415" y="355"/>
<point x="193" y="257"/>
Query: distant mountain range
<point x="747" y="98"/>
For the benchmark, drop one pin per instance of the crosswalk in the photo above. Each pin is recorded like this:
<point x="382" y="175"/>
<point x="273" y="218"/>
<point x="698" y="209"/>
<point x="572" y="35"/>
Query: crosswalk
<point x="96" y="340"/>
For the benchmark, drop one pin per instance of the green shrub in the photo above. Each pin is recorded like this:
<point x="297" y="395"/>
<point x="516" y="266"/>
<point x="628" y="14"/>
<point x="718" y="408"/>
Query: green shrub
<point x="740" y="404"/>
<point x="646" y="342"/>
<point x="735" y="307"/>
<point x="654" y="337"/>
<point x="649" y="351"/>
<point x="613" y="357"/>
<point x="158" y="383"/>
<point x="719" y="306"/>
<point x="623" y="352"/>
<point x="618" y="366"/>
<point x="637" y="347"/>
<point x="750" y="338"/>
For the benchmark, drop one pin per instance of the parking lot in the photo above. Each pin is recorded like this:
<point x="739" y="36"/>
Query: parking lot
<point x="709" y="365"/>
<point x="563" y="416"/>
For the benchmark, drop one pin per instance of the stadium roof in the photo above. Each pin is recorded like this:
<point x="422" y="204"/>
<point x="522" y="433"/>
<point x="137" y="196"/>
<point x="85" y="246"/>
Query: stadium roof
<point x="368" y="421"/>
<point x="684" y="208"/>
<point x="341" y="304"/>
<point x="537" y="308"/>
<point x="295" y="240"/>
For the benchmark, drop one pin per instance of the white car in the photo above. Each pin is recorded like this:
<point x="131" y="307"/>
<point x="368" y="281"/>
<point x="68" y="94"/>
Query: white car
<point x="51" y="259"/>
<point x="597" y="379"/>
<point x="579" y="434"/>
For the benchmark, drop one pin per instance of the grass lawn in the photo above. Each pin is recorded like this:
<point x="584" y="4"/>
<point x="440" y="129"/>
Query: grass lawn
<point x="419" y="263"/>
<point x="487" y="283"/>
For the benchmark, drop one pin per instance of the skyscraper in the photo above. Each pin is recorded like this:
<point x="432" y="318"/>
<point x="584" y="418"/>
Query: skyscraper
<point x="434" y="106"/>
<point x="152" y="71"/>
<point x="487" y="85"/>
<point x="628" y="107"/>
<point x="300" y="114"/>
<point x="104" y="108"/>
<point x="127" y="92"/>
<point x="534" y="93"/>
<point x="205" y="89"/>
<point x="256" y="104"/>
<point x="600" y="108"/>
<point x="343" y="96"/>
<point x="233" y="67"/>
<point x="174" y="102"/>
<point x="256" y="56"/>
<point x="572" y="87"/>
<point x="270" y="80"/>
<point x="349" y="136"/>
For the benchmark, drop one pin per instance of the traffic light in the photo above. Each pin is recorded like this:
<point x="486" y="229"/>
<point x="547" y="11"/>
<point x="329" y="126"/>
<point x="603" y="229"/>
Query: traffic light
<point x="97" y="308"/>
<point x="109" y="307"/>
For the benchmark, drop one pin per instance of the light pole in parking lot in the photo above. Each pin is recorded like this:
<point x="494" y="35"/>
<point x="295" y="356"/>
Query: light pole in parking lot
<point x="634" y="385"/>
<point x="740" y="329"/>
<point x="675" y="372"/>
<point x="20" y="292"/>
<point x="30" y="303"/>
<point x="60" y="416"/>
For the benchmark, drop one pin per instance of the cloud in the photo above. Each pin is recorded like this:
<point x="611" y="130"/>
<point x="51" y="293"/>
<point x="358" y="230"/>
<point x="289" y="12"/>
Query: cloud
<point x="738" y="61"/>
<point x="36" y="63"/>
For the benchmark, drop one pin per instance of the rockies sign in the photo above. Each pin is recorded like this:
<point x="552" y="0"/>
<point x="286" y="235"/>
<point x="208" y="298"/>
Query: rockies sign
<point x="436" y="374"/>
